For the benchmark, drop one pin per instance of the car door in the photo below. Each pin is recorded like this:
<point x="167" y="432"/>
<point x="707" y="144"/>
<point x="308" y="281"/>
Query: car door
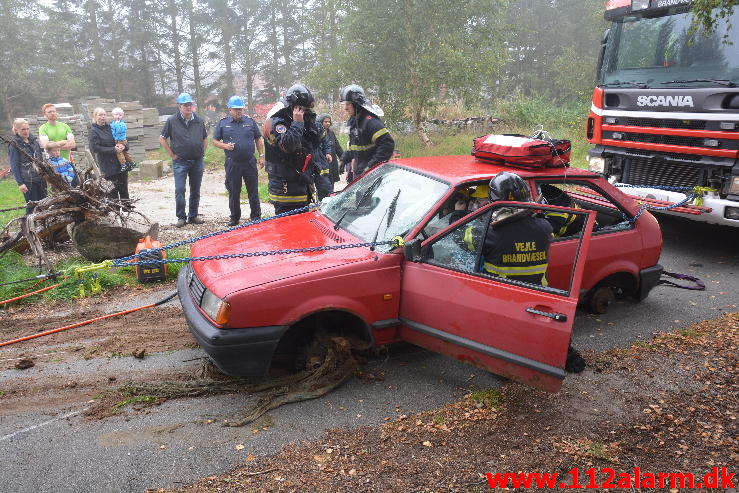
<point x="512" y="328"/>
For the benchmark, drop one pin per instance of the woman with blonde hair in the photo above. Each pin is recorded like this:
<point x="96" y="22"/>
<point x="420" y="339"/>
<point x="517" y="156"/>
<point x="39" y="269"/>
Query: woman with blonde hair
<point x="23" y="148"/>
<point x="103" y="145"/>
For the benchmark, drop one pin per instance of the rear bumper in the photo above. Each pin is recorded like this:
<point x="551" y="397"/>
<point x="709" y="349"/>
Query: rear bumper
<point x="238" y="352"/>
<point x="648" y="278"/>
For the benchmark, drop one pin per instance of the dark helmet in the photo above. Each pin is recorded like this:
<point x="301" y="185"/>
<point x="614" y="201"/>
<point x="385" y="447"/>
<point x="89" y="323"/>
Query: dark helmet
<point x="353" y="94"/>
<point x="509" y="186"/>
<point x="299" y="95"/>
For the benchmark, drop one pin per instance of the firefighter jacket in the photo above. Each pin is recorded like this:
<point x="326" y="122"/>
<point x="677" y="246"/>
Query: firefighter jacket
<point x="289" y="149"/>
<point x="370" y="143"/>
<point x="518" y="249"/>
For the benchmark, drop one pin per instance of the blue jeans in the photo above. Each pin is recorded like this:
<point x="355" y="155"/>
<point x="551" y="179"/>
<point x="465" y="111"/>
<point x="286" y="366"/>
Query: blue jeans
<point x="184" y="169"/>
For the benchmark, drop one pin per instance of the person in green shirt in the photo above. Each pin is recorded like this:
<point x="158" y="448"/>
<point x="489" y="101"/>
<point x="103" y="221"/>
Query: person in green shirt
<point x="55" y="134"/>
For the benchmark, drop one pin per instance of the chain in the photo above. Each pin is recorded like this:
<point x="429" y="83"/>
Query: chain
<point x="125" y="261"/>
<point x="696" y="193"/>
<point x="372" y="244"/>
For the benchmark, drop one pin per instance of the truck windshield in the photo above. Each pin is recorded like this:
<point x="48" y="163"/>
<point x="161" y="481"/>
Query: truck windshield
<point x="657" y="50"/>
<point x="364" y="209"/>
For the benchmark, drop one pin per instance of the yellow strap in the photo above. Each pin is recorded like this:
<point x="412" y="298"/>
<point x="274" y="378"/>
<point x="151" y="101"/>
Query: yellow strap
<point x="354" y="147"/>
<point x="700" y="191"/>
<point x="379" y="134"/>
<point x="89" y="268"/>
<point x="288" y="198"/>
<point x="398" y="241"/>
<point x="324" y="171"/>
<point x="515" y="271"/>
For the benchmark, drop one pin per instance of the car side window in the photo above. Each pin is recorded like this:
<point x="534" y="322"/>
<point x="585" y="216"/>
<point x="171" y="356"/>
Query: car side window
<point x="459" y="248"/>
<point x="609" y="216"/>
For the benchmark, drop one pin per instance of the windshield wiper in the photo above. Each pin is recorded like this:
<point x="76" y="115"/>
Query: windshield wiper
<point x="370" y="189"/>
<point x="723" y="82"/>
<point x="640" y="85"/>
<point x="390" y="212"/>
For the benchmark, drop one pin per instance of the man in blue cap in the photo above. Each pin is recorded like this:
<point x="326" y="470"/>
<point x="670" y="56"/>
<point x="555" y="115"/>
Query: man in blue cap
<point x="188" y="140"/>
<point x="237" y="135"/>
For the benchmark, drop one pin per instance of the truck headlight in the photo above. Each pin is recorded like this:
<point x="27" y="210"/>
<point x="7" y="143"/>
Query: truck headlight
<point x="215" y="308"/>
<point x="734" y="185"/>
<point x="596" y="164"/>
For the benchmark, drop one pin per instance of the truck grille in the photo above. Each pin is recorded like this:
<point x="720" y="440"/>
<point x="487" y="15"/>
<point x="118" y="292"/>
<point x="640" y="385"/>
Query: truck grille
<point x="197" y="288"/>
<point x="675" y="140"/>
<point x="649" y="172"/>
<point x="664" y="123"/>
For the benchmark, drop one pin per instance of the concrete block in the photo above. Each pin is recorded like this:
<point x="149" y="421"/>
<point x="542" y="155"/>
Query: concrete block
<point x="151" y="168"/>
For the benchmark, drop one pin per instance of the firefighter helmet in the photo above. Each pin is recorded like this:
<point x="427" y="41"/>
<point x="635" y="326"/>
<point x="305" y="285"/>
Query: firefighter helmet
<point x="509" y="186"/>
<point x="481" y="192"/>
<point x="353" y="94"/>
<point x="299" y="95"/>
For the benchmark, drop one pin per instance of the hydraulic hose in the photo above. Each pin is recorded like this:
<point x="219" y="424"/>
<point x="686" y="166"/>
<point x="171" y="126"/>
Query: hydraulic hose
<point x="29" y="294"/>
<point x="78" y="324"/>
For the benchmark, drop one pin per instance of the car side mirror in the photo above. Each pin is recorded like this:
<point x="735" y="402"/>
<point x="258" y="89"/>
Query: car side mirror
<point x="412" y="250"/>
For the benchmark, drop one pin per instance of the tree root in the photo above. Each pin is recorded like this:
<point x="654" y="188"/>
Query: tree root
<point x="336" y="368"/>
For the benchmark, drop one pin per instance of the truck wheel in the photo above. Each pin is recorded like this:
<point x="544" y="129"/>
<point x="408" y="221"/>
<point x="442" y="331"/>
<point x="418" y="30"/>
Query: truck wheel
<point x="600" y="299"/>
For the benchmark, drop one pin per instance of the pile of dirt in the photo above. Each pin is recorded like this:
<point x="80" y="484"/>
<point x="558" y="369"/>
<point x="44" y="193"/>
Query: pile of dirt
<point x="668" y="406"/>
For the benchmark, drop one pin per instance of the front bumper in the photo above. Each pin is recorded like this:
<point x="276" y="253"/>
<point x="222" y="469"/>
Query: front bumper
<point x="238" y="352"/>
<point x="718" y="205"/>
<point x="648" y="278"/>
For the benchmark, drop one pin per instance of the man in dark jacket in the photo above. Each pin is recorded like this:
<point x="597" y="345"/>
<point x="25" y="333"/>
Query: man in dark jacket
<point x="370" y="143"/>
<point x="188" y="140"/>
<point x="103" y="145"/>
<point x="291" y="143"/>
<point x="23" y="145"/>
<point x="331" y="147"/>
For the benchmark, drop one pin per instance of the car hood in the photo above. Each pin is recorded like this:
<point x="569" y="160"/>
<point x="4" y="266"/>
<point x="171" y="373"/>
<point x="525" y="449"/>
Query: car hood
<point x="311" y="229"/>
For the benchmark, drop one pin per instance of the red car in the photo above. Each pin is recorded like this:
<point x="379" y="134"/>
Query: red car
<point x="249" y="310"/>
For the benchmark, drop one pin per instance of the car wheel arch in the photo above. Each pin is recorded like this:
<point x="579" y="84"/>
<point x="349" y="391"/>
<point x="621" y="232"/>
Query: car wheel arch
<point x="334" y="322"/>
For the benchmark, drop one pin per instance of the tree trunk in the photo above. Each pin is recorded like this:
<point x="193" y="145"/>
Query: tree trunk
<point x="194" y="52"/>
<point x="228" y="61"/>
<point x="176" y="45"/>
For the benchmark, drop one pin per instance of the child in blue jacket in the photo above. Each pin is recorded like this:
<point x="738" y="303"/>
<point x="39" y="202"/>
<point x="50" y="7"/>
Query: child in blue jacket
<point x="63" y="167"/>
<point x="118" y="128"/>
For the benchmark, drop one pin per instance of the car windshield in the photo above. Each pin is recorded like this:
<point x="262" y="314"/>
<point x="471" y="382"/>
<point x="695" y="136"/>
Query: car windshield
<point x="656" y="51"/>
<point x="384" y="203"/>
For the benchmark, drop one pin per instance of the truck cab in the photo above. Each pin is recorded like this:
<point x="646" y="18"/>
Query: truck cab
<point x="665" y="113"/>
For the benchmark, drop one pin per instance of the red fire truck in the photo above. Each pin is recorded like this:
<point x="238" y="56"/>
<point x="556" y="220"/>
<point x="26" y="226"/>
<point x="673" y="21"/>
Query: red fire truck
<point x="665" y="113"/>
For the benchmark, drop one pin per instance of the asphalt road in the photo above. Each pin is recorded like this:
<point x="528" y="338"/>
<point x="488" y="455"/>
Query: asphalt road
<point x="175" y="443"/>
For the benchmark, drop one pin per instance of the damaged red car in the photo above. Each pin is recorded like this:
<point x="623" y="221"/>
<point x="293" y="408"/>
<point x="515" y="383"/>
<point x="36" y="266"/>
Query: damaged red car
<point x="428" y="286"/>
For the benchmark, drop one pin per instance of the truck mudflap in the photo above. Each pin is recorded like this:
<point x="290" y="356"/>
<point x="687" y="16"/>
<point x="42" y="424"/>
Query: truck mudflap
<point x="648" y="279"/>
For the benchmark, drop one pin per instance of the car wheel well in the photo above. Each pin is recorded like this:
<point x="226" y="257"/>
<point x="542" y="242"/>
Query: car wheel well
<point x="623" y="281"/>
<point x="296" y="342"/>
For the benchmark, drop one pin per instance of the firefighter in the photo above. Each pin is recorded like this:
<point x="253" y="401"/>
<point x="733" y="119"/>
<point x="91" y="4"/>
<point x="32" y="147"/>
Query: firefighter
<point x="291" y="142"/>
<point x="370" y="143"/>
<point x="516" y="247"/>
<point x="563" y="223"/>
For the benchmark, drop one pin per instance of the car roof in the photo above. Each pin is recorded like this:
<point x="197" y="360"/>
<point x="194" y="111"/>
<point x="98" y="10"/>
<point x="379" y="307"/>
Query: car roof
<point x="462" y="169"/>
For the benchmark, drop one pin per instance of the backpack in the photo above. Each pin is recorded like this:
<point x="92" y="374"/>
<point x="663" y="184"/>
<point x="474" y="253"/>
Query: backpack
<point x="520" y="151"/>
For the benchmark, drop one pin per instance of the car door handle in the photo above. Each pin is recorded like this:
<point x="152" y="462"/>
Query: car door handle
<point x="559" y="317"/>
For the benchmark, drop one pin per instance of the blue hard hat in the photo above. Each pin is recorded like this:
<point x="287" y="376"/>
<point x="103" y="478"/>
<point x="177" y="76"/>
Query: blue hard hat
<point x="184" y="98"/>
<point x="235" y="102"/>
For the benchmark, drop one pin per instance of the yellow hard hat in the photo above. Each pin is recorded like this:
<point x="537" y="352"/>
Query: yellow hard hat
<point x="481" y="192"/>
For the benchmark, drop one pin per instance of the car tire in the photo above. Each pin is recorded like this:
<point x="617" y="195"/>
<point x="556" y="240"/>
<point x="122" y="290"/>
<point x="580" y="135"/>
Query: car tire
<point x="600" y="299"/>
